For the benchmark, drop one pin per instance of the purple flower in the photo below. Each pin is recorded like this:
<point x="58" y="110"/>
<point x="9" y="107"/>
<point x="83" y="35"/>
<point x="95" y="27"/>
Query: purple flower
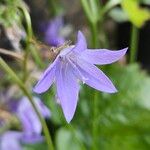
<point x="28" y="117"/>
<point x="10" y="141"/>
<point x="52" y="32"/>
<point x="77" y="63"/>
<point x="31" y="126"/>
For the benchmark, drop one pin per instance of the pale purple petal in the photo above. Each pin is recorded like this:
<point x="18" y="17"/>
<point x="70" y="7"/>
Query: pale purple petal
<point x="95" y="77"/>
<point x="81" y="44"/>
<point x="76" y="71"/>
<point x="42" y="108"/>
<point x="67" y="90"/>
<point x="46" y="80"/>
<point x="10" y="140"/>
<point x="31" y="138"/>
<point x="28" y="117"/>
<point x="102" y="56"/>
<point x="54" y="26"/>
<point x="65" y="51"/>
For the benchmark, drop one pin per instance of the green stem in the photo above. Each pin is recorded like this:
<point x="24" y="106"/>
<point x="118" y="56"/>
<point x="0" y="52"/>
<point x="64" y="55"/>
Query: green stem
<point x="29" y="37"/>
<point x="86" y="9"/>
<point x="94" y="9"/>
<point x="134" y="44"/>
<point x="53" y="7"/>
<point x="95" y="120"/>
<point x="21" y="85"/>
<point x="94" y="33"/>
<point x="95" y="44"/>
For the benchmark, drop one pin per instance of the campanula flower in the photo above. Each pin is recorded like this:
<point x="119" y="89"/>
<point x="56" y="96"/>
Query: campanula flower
<point x="31" y="126"/>
<point x="77" y="63"/>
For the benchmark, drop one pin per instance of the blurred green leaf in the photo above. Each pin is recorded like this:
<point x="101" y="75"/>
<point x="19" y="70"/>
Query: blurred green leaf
<point x="146" y="2"/>
<point x="125" y="115"/>
<point x="37" y="146"/>
<point x="9" y="12"/>
<point x="118" y="15"/>
<point x="137" y="15"/>
<point x="67" y="140"/>
<point x="123" y="119"/>
<point x="110" y="4"/>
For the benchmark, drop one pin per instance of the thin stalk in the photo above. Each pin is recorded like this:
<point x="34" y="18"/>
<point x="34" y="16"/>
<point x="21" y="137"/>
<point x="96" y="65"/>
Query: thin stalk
<point x="94" y="10"/>
<point x="95" y="44"/>
<point x="12" y="54"/>
<point x="95" y="120"/>
<point x="53" y="7"/>
<point x="134" y="44"/>
<point x="94" y="35"/>
<point x="15" y="78"/>
<point x="29" y="37"/>
<point x="86" y="9"/>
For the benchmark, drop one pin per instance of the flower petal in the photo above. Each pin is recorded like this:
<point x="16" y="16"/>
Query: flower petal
<point x="81" y="44"/>
<point x="52" y="35"/>
<point x="102" y="56"/>
<point x="29" y="119"/>
<point x="31" y="138"/>
<point x="67" y="90"/>
<point x="76" y="71"/>
<point x="10" y="140"/>
<point x="95" y="77"/>
<point x="42" y="108"/>
<point x="47" y="79"/>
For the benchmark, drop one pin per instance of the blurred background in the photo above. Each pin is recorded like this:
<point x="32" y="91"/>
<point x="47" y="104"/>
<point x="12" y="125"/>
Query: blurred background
<point x="121" y="120"/>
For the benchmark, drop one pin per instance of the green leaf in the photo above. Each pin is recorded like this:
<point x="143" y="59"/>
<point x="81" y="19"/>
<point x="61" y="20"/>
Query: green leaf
<point x="37" y="146"/>
<point x="146" y="2"/>
<point x="67" y="140"/>
<point x="123" y="120"/>
<point x="137" y="15"/>
<point x="118" y="15"/>
<point x="110" y="4"/>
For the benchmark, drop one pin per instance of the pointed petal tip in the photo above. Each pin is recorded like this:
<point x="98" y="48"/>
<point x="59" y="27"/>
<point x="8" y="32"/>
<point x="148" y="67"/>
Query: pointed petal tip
<point x="37" y="90"/>
<point x="81" y="35"/>
<point x="68" y="114"/>
<point x="124" y="50"/>
<point x="81" y="44"/>
<point x="68" y="118"/>
<point x="113" y="90"/>
<point x="80" y="32"/>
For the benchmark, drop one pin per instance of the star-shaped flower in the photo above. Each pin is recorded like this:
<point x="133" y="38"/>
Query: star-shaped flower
<point x="77" y="63"/>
